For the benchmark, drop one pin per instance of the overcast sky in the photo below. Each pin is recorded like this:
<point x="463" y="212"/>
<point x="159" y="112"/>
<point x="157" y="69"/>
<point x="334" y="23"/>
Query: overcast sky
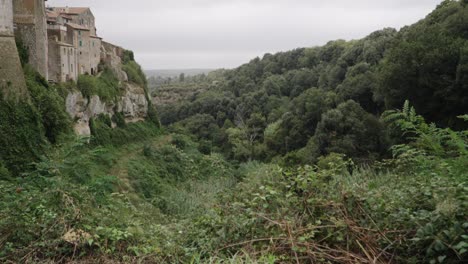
<point x="176" y="34"/>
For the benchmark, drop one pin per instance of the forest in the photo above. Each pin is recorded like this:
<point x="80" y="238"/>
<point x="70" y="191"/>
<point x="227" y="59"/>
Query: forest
<point x="351" y="152"/>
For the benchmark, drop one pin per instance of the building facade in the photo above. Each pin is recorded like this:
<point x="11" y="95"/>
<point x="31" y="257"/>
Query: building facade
<point x="80" y="32"/>
<point x="63" y="61"/>
<point x="79" y="15"/>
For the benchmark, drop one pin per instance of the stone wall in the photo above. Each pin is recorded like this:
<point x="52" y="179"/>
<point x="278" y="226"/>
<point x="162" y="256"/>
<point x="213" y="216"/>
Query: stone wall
<point x="12" y="83"/>
<point x="6" y="18"/>
<point x="31" y="29"/>
<point x="95" y="53"/>
<point x="111" y="55"/>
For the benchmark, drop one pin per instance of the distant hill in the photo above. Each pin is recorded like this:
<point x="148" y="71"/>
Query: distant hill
<point x="169" y="73"/>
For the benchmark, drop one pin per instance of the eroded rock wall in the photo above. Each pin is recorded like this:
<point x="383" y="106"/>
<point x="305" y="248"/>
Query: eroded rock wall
<point x="132" y="103"/>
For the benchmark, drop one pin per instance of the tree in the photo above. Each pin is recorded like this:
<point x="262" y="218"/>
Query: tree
<point x="350" y="130"/>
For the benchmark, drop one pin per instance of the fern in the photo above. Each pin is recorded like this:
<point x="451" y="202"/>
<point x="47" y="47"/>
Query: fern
<point x="428" y="137"/>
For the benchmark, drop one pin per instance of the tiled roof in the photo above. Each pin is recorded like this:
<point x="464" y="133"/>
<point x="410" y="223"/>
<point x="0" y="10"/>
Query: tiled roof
<point x="52" y="14"/>
<point x="76" y="26"/>
<point x="71" y="10"/>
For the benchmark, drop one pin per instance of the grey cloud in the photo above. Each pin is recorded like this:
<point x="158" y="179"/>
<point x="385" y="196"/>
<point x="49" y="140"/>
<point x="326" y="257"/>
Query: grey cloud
<point x="226" y="33"/>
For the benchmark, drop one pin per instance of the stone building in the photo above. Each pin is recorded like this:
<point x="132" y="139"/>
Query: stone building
<point x="31" y="29"/>
<point x="80" y="33"/>
<point x="61" y="41"/>
<point x="79" y="15"/>
<point x="63" y="60"/>
<point x="80" y="38"/>
<point x="12" y="83"/>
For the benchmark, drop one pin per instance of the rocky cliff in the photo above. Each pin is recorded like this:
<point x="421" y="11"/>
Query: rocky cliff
<point x="132" y="101"/>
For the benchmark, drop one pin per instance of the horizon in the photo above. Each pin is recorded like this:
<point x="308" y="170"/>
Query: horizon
<point x="209" y="34"/>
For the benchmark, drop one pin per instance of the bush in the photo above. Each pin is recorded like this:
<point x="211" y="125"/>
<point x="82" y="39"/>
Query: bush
<point x="22" y="138"/>
<point x="103" y="134"/>
<point x="106" y="85"/>
<point x="50" y="105"/>
<point x="119" y="119"/>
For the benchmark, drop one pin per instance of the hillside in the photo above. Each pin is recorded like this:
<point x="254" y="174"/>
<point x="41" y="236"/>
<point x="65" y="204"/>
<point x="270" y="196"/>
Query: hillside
<point x="288" y="102"/>
<point x="175" y="73"/>
<point x="352" y="152"/>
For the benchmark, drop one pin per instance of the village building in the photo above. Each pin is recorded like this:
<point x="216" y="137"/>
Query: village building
<point x="79" y="15"/>
<point x="80" y="32"/>
<point x="62" y="42"/>
<point x="63" y="58"/>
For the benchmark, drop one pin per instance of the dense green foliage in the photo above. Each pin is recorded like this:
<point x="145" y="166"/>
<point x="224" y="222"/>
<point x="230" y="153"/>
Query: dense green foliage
<point x="136" y="75"/>
<point x="168" y="203"/>
<point x="26" y="129"/>
<point x="106" y="85"/>
<point x="134" y="72"/>
<point x="293" y="91"/>
<point x="298" y="157"/>
<point x="104" y="134"/>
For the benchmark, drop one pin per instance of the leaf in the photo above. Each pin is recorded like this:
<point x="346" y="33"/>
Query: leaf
<point x="441" y="259"/>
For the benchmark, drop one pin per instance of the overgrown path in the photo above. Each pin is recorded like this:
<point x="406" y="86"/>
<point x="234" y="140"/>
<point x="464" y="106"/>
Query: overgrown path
<point x="127" y="154"/>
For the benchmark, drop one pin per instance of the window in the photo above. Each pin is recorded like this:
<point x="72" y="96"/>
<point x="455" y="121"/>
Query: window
<point x="71" y="67"/>
<point x="79" y="32"/>
<point x="81" y="44"/>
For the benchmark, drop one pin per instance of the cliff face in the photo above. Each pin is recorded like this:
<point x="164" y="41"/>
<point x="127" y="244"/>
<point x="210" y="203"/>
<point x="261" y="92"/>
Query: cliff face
<point x="132" y="103"/>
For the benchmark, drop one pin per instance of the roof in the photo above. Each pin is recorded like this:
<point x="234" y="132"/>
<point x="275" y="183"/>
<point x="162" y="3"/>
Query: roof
<point x="66" y="16"/>
<point x="71" y="10"/>
<point x="76" y="26"/>
<point x="95" y="37"/>
<point x="52" y="15"/>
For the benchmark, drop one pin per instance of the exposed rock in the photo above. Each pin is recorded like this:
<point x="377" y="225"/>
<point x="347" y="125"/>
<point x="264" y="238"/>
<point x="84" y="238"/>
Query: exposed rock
<point x="132" y="104"/>
<point x="110" y="55"/>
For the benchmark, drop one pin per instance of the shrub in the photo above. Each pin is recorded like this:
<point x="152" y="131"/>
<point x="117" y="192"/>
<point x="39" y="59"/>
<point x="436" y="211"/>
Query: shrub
<point x="103" y="134"/>
<point x="119" y="119"/>
<point x="106" y="85"/>
<point x="50" y="105"/>
<point x="22" y="138"/>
